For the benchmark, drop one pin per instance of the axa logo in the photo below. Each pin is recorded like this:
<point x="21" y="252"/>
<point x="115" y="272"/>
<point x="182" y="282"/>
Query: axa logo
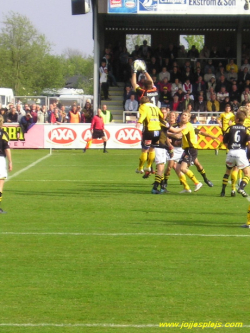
<point x="62" y="135"/>
<point x="87" y="136"/>
<point x="128" y="135"/>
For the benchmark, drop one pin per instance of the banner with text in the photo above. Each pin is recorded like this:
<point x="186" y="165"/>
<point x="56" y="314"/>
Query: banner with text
<point x="76" y="136"/>
<point x="178" y="7"/>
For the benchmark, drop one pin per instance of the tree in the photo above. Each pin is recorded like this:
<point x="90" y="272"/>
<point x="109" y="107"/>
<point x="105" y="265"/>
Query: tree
<point x="75" y="64"/>
<point x="24" y="54"/>
<point x="197" y="40"/>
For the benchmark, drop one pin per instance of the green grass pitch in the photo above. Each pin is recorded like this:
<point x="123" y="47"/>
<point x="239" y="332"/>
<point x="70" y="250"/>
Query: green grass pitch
<point x="85" y="245"/>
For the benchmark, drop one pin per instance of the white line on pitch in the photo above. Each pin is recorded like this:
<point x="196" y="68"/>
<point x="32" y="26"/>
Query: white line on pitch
<point x="27" y="167"/>
<point x="89" y="325"/>
<point x="112" y="234"/>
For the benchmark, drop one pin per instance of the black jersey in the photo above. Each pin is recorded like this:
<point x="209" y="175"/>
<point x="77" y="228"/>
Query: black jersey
<point x="236" y="137"/>
<point x="152" y="94"/>
<point x="4" y="142"/>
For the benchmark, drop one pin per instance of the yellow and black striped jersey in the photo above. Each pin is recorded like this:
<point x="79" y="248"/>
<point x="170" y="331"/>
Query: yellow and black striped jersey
<point x="150" y="116"/>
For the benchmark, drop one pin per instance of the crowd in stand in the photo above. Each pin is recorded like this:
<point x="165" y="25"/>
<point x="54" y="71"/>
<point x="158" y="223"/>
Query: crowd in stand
<point x="26" y="114"/>
<point x="204" y="81"/>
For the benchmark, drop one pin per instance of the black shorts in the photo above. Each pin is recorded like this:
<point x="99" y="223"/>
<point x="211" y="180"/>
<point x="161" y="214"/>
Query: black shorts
<point x="188" y="156"/>
<point x="150" y="139"/>
<point x="98" y="134"/>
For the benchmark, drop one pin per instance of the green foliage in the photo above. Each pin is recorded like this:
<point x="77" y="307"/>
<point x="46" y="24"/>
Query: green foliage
<point x="197" y="40"/>
<point x="27" y="65"/>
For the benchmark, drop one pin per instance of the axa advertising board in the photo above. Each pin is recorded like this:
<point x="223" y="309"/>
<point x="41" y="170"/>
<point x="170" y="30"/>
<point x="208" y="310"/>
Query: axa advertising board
<point x="77" y="136"/>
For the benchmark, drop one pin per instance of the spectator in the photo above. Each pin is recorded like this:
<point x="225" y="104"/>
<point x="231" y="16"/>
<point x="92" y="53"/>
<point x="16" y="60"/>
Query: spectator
<point x="234" y="93"/>
<point x="106" y="115"/>
<point x="42" y="115"/>
<point x="220" y="72"/>
<point x="204" y="53"/>
<point x="104" y="80"/>
<point x="208" y="75"/>
<point x="55" y="117"/>
<point x="26" y="122"/>
<point x="175" y="74"/>
<point x="222" y="82"/>
<point x="144" y="49"/>
<point x="74" y="116"/>
<point x="180" y="94"/>
<point x="213" y="120"/>
<point x="245" y="93"/>
<point x="244" y="76"/>
<point x="164" y="73"/>
<point x="186" y="101"/>
<point x="213" y="104"/>
<point x="64" y="118"/>
<point x="131" y="104"/>
<point x="211" y="83"/>
<point x="175" y="86"/>
<point x="208" y="66"/>
<point x="12" y="116"/>
<point x="232" y="65"/>
<point x="245" y="64"/>
<point x="235" y="105"/>
<point x="232" y="75"/>
<point x="209" y="93"/>
<point x="164" y="83"/>
<point x="3" y="112"/>
<point x="175" y="105"/>
<point x="165" y="97"/>
<point x="153" y="65"/>
<point x="193" y="52"/>
<point x="181" y="55"/>
<point x="245" y="99"/>
<point x="87" y="114"/>
<point x="187" y="74"/>
<point x="224" y="103"/>
<point x="200" y="105"/>
<point x="33" y="113"/>
<point x="199" y="86"/>
<point x="187" y="86"/>
<point x="222" y="94"/>
<point x="193" y="120"/>
<point x="20" y="112"/>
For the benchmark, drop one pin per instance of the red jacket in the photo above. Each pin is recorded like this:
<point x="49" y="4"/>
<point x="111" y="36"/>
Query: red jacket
<point x="97" y="123"/>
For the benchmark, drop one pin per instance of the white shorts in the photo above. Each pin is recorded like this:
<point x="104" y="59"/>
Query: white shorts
<point x="3" y="168"/>
<point x="161" y="156"/>
<point x="177" y="154"/>
<point x="237" y="157"/>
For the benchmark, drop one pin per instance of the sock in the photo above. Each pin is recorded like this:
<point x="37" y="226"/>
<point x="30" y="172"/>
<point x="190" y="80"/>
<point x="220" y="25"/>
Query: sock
<point x="190" y="175"/>
<point x="248" y="215"/>
<point x="234" y="175"/>
<point x="203" y="173"/>
<point x="89" y="143"/>
<point x="163" y="184"/>
<point x="104" y="145"/>
<point x="183" y="181"/>
<point x="142" y="160"/>
<point x="224" y="182"/>
<point x="157" y="181"/>
<point x="1" y="196"/>
<point x="244" y="182"/>
<point x="240" y="174"/>
<point x="151" y="157"/>
<point x="166" y="178"/>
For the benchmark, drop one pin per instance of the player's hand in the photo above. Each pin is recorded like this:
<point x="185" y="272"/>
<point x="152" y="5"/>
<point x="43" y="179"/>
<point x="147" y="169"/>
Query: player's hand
<point x="10" y="166"/>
